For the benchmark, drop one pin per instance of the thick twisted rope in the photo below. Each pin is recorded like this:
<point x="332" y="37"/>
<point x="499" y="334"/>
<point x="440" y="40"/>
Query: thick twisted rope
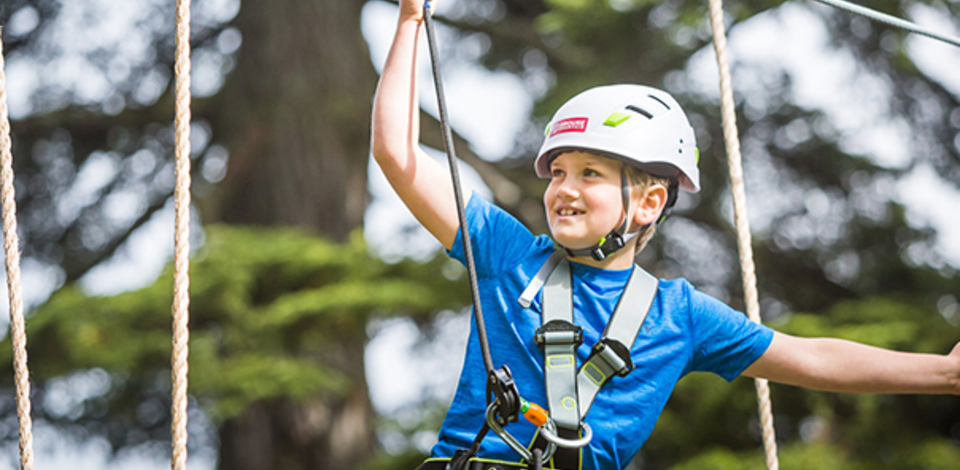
<point x="747" y="268"/>
<point x="11" y="247"/>
<point x="181" y="262"/>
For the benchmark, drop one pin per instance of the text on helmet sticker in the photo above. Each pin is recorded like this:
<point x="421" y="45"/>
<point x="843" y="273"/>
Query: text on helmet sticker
<point x="577" y="124"/>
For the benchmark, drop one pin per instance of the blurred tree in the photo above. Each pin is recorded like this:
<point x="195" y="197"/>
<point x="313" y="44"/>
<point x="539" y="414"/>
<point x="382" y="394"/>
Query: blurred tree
<point x="284" y="91"/>
<point x="288" y="85"/>
<point x="277" y="316"/>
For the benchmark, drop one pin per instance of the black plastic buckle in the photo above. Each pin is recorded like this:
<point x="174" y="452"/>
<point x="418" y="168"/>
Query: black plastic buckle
<point x="558" y="326"/>
<point x="611" y="243"/>
<point x="619" y="349"/>
<point x="459" y="459"/>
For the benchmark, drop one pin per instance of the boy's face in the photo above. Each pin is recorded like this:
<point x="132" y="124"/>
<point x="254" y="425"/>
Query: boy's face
<point x="583" y="201"/>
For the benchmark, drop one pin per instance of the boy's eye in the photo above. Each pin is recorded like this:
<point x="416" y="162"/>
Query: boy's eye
<point x="590" y="172"/>
<point x="556" y="172"/>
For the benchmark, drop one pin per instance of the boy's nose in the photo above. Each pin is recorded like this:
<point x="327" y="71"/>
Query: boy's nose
<point x="567" y="189"/>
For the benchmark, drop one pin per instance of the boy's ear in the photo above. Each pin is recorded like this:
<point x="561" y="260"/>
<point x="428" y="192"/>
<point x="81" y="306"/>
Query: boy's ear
<point x="650" y="205"/>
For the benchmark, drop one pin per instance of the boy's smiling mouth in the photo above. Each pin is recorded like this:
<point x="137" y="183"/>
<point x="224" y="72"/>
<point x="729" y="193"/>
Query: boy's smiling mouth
<point x="566" y="210"/>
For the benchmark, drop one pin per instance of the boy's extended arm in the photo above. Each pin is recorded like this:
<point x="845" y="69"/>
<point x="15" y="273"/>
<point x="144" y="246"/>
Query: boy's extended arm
<point x="421" y="182"/>
<point x="844" y="366"/>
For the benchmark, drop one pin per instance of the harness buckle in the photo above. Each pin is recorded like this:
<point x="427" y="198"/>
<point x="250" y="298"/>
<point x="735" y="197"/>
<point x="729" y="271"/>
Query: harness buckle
<point x="558" y="332"/>
<point x="614" y="354"/>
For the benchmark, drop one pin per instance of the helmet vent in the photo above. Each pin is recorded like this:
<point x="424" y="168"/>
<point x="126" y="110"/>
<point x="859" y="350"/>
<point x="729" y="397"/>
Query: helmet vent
<point x="640" y="111"/>
<point x="665" y="105"/>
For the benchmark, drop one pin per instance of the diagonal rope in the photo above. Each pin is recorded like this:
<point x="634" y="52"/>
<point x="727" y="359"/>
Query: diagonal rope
<point x="181" y="262"/>
<point x="747" y="268"/>
<point x="11" y="247"/>
<point x="890" y="20"/>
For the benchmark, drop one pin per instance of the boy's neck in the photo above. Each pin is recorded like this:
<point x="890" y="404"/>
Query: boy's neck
<point x="622" y="259"/>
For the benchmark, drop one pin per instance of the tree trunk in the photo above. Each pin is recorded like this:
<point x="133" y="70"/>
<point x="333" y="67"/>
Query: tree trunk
<point x="295" y="115"/>
<point x="325" y="433"/>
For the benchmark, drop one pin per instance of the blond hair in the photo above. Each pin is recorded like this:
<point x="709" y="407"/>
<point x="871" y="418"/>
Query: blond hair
<point x="641" y="180"/>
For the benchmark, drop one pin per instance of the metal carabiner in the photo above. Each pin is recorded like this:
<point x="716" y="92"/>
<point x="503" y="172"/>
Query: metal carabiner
<point x="551" y="436"/>
<point x="549" y="427"/>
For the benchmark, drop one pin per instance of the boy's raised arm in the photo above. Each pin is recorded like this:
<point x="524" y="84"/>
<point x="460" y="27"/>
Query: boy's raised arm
<point x="844" y="366"/>
<point x="421" y="182"/>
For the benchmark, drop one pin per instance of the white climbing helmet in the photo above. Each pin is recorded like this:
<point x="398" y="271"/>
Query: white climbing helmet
<point x="639" y="124"/>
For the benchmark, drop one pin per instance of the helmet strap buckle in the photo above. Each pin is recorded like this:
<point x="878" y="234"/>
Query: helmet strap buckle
<point x="607" y="246"/>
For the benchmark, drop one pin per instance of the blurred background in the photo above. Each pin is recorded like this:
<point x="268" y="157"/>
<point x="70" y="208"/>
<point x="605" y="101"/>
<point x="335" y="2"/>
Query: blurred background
<point x="327" y="328"/>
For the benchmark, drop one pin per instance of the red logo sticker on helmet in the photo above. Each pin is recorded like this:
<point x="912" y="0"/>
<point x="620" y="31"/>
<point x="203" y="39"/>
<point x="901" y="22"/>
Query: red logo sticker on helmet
<point x="578" y="124"/>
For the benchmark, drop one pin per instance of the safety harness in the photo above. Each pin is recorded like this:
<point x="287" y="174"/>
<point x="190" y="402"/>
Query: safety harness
<point x="571" y="390"/>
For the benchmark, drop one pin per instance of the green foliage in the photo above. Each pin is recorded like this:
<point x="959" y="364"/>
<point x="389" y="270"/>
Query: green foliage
<point x="933" y="455"/>
<point x="793" y="457"/>
<point x="406" y="461"/>
<point x="716" y="423"/>
<point x="272" y="313"/>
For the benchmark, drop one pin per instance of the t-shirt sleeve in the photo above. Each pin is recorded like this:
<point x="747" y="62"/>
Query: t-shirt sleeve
<point x="498" y="239"/>
<point x="725" y="341"/>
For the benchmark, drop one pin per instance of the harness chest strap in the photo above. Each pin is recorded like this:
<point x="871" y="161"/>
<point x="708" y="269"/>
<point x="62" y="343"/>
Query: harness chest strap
<point x="611" y="355"/>
<point x="570" y="393"/>
<point x="559" y="339"/>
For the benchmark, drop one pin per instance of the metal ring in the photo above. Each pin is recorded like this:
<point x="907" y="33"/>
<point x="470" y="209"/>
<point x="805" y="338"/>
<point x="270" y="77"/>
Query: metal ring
<point x="551" y="436"/>
<point x="512" y="441"/>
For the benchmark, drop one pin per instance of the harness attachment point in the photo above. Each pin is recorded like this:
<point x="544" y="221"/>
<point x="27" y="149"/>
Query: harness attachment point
<point x="615" y="354"/>
<point x="558" y="332"/>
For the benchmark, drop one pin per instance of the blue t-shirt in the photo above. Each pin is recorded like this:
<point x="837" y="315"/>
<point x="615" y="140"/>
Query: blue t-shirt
<point x="685" y="331"/>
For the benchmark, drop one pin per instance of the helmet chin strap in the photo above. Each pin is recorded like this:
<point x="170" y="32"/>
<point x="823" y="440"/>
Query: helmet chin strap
<point x="614" y="240"/>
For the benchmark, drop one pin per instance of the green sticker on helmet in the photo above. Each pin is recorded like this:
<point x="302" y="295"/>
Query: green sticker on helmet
<point x="546" y="130"/>
<point x="616" y="119"/>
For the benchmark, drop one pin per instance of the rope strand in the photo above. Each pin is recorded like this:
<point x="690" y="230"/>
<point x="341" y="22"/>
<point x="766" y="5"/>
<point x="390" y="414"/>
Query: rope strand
<point x="11" y="247"/>
<point x="457" y="191"/>
<point x="890" y="20"/>
<point x="181" y="288"/>
<point x="747" y="268"/>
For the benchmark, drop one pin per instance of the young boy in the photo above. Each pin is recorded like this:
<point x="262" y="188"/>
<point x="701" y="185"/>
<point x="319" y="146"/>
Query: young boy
<point x="616" y="157"/>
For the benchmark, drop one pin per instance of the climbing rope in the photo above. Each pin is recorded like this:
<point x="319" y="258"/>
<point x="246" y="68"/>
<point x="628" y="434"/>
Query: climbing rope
<point x="450" y="151"/>
<point x="890" y="20"/>
<point x="11" y="247"/>
<point x="181" y="261"/>
<point x="747" y="268"/>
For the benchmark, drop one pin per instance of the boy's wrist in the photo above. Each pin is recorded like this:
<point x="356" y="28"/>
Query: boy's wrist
<point x="954" y="368"/>
<point x="414" y="18"/>
<point x="411" y="14"/>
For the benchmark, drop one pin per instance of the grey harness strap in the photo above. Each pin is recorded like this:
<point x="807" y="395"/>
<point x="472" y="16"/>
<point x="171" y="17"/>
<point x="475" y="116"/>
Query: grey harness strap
<point x="540" y="278"/>
<point x="570" y="393"/>
<point x="559" y="339"/>
<point x="611" y="355"/>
